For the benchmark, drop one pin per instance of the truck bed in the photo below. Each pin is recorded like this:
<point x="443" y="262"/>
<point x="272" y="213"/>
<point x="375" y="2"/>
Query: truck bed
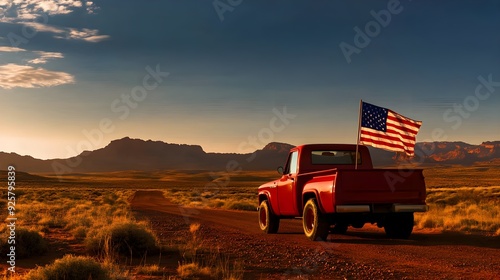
<point x="379" y="186"/>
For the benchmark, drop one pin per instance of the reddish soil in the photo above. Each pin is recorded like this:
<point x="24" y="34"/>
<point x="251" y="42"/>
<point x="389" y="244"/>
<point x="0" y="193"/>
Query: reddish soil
<point x="359" y="254"/>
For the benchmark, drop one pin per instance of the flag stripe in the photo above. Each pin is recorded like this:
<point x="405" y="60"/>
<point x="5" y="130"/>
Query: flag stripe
<point x="403" y="129"/>
<point x="399" y="129"/>
<point x="382" y="144"/>
<point x="403" y="123"/>
<point x="406" y="136"/>
<point x="386" y="129"/>
<point x="390" y="136"/>
<point x="386" y="145"/>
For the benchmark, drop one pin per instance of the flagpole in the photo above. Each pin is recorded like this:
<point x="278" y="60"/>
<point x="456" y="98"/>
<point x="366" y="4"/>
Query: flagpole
<point x="359" y="130"/>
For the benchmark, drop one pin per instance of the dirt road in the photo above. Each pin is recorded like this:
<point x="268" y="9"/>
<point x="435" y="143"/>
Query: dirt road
<point x="360" y="254"/>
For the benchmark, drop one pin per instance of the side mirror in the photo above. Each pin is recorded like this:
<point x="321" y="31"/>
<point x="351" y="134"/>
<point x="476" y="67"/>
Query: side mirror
<point x="280" y="170"/>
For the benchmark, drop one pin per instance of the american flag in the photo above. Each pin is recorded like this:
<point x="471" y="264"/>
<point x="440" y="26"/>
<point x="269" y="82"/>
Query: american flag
<point x="386" y="129"/>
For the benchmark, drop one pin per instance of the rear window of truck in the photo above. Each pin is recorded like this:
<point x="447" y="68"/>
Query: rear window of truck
<point x="334" y="157"/>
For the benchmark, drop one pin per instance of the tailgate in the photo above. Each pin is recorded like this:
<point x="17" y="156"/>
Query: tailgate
<point x="380" y="186"/>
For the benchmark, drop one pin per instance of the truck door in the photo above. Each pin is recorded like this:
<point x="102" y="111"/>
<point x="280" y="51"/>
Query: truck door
<point x="286" y="186"/>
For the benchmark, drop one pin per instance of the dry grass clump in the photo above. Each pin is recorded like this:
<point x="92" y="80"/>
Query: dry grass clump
<point x="193" y="244"/>
<point x="124" y="237"/>
<point x="71" y="267"/>
<point x="214" y="264"/>
<point x="28" y="243"/>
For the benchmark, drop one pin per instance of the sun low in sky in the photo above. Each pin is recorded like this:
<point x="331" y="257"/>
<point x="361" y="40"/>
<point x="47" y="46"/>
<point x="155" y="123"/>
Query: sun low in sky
<point x="232" y="76"/>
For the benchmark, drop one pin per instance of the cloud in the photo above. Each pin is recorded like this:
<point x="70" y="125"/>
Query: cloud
<point x="44" y="56"/>
<point x="58" y="8"/>
<point x="40" y="27"/>
<point x="91" y="8"/>
<point x="14" y="75"/>
<point x="90" y="35"/>
<point x="85" y="34"/>
<point x="30" y="9"/>
<point x="29" y="13"/>
<point x="11" y="49"/>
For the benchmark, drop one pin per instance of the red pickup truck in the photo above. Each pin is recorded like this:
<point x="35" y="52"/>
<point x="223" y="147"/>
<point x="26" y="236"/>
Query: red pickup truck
<point x="321" y="184"/>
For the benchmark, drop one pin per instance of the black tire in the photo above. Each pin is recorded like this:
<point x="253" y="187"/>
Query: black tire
<point x="399" y="225"/>
<point x="268" y="222"/>
<point x="340" y="228"/>
<point x="315" y="224"/>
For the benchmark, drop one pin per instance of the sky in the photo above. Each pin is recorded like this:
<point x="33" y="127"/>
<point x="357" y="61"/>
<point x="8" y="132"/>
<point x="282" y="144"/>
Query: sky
<point x="234" y="75"/>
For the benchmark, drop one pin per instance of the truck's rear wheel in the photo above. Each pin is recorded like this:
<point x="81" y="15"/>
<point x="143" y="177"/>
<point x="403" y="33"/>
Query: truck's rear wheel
<point x="399" y="225"/>
<point x="315" y="224"/>
<point x="269" y="223"/>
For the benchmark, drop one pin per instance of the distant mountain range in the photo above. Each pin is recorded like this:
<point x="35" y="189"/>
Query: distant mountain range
<point x="442" y="153"/>
<point x="137" y="154"/>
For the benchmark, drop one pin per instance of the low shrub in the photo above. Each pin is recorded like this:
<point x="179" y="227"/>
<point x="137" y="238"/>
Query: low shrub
<point x="125" y="238"/>
<point x="217" y="204"/>
<point x="52" y="221"/>
<point x="70" y="267"/>
<point x="28" y="243"/>
<point x="79" y="232"/>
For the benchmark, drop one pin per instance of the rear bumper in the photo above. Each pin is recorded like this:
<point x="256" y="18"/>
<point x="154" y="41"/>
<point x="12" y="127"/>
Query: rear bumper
<point x="367" y="208"/>
<point x="410" y="208"/>
<point x="353" y="208"/>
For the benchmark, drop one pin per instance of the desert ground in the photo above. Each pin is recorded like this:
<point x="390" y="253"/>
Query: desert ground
<point x="203" y="225"/>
